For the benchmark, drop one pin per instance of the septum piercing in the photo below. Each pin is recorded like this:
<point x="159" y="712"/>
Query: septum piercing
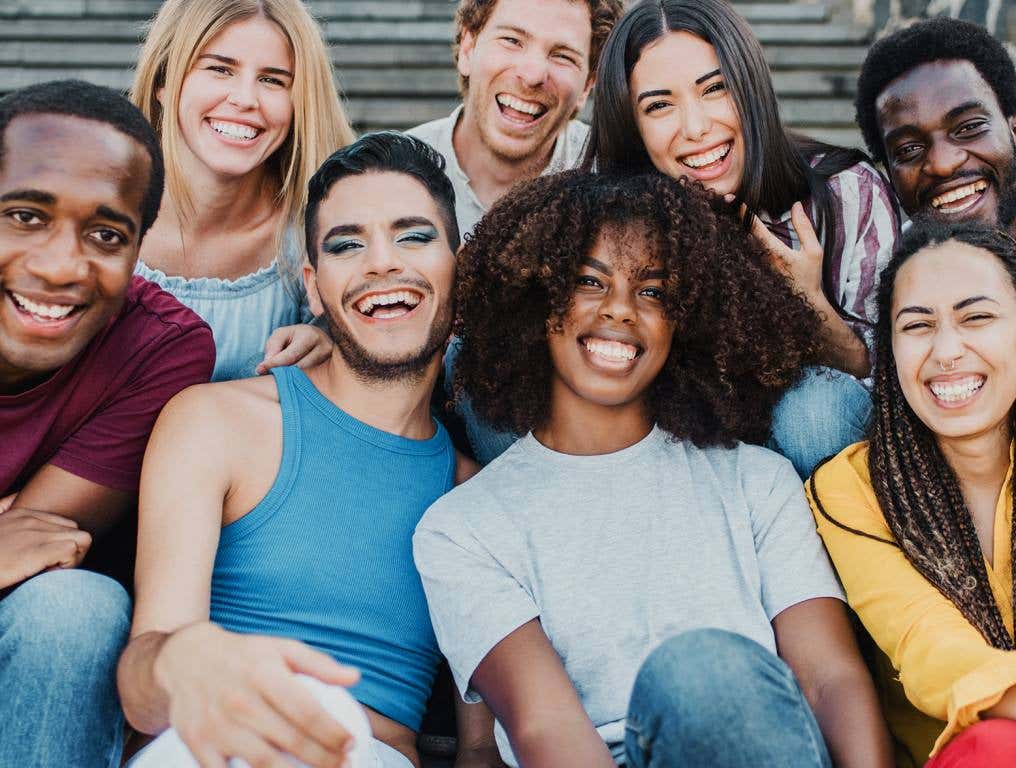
<point x="950" y="367"/>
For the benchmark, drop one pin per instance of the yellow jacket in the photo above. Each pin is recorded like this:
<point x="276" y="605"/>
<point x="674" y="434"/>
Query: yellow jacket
<point x="931" y="657"/>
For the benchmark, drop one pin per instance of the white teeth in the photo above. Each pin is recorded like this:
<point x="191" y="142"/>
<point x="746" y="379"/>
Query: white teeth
<point x="234" y="130"/>
<point x="47" y="311"/>
<point x="705" y="158"/>
<point x="959" y="193"/>
<point x="519" y="105"/>
<point x="954" y="391"/>
<point x="366" y="305"/>
<point x="612" y="350"/>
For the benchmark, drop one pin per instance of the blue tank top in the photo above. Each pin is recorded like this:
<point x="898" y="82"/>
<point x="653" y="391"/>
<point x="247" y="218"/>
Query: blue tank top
<point x="326" y="557"/>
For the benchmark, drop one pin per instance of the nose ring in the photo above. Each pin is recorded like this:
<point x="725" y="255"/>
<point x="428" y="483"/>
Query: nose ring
<point x="951" y="366"/>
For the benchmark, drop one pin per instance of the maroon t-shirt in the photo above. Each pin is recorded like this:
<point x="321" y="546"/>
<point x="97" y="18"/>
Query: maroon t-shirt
<point x="93" y="417"/>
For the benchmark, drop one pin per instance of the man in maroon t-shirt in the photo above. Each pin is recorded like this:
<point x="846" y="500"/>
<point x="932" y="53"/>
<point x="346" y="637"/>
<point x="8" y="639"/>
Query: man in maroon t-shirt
<point x="89" y="354"/>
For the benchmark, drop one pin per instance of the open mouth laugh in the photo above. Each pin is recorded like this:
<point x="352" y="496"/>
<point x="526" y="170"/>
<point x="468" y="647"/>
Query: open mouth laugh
<point x="521" y="111"/>
<point x="960" y="199"/>
<point x="390" y="305"/>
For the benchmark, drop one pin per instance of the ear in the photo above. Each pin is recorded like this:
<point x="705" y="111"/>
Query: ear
<point x="160" y="92"/>
<point x="1012" y="124"/>
<point x="585" y="93"/>
<point x="465" y="59"/>
<point x="310" y="283"/>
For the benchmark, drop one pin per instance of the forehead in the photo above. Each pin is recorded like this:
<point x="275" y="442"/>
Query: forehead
<point x="676" y="55"/>
<point x="256" y="39"/>
<point x="376" y="198"/>
<point x="64" y="155"/>
<point x="944" y="274"/>
<point x="926" y="93"/>
<point x="629" y="247"/>
<point x="562" y="22"/>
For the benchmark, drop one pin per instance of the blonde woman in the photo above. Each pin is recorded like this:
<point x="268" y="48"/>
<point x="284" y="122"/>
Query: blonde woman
<point x="242" y="95"/>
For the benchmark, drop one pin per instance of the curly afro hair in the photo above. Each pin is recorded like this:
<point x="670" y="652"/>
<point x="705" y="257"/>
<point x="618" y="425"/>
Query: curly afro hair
<point x="741" y="334"/>
<point x="937" y="39"/>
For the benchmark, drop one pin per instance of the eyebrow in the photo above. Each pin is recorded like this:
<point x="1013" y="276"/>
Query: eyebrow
<point x="412" y="221"/>
<point x="650" y="94"/>
<point x="524" y="33"/>
<point x="29" y="195"/>
<point x="702" y="78"/>
<point x="235" y="63"/>
<point x="342" y="229"/>
<point x="956" y="307"/>
<point x="598" y="265"/>
<point x="108" y="213"/>
<point x="654" y="274"/>
<point x="952" y="114"/>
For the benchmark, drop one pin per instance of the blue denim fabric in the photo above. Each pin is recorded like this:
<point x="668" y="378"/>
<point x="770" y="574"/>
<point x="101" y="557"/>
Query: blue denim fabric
<point x="61" y="633"/>
<point x="827" y="411"/>
<point x="713" y="699"/>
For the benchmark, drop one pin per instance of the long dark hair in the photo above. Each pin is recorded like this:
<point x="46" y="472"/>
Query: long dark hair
<point x="916" y="488"/>
<point x="778" y="168"/>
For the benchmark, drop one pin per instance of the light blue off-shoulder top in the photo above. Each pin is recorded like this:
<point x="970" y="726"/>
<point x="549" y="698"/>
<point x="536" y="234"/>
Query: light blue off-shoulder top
<point x="242" y="313"/>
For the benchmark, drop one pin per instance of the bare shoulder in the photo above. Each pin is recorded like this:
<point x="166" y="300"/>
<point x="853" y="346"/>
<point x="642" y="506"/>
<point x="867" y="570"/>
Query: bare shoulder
<point x="465" y="468"/>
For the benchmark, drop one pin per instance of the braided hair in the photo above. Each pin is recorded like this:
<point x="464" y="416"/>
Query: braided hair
<point x="917" y="490"/>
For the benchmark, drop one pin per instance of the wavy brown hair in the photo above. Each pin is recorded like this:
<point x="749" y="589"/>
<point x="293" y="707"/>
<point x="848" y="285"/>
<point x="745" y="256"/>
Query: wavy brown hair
<point x="741" y="335"/>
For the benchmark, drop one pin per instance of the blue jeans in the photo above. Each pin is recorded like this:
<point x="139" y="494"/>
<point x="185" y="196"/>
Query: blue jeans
<point x="61" y="633"/>
<point x="827" y="411"/>
<point x="712" y="699"/>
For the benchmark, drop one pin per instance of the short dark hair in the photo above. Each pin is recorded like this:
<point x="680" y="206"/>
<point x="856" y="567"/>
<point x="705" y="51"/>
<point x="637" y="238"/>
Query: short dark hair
<point x="742" y="335"/>
<point x="938" y="39"/>
<point x="76" y="98"/>
<point x="383" y="151"/>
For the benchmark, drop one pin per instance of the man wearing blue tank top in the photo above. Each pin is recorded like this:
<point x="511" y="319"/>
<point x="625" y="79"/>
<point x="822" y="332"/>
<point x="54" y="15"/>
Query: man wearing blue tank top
<point x="277" y="513"/>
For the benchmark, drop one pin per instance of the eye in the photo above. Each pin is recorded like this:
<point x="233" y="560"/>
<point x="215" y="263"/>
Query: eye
<point x="971" y="127"/>
<point x="916" y="325"/>
<point x="339" y="247"/>
<point x="655" y="106"/>
<point x="221" y="69"/>
<point x="421" y="236"/>
<point x="108" y="237"/>
<point x="978" y="318"/>
<point x="566" y="57"/>
<point x="272" y="80"/>
<point x="716" y="87"/>
<point x="906" y="152"/>
<point x="25" y="218"/>
<point x="653" y="292"/>
<point x="511" y="41"/>
<point x="588" y="281"/>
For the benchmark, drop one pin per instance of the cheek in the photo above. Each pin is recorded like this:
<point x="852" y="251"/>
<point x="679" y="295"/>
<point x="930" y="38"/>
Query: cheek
<point x="910" y="355"/>
<point x="280" y="106"/>
<point x="113" y="274"/>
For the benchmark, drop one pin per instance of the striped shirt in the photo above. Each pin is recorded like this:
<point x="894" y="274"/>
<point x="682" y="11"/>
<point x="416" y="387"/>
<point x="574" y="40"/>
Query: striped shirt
<point x="867" y="228"/>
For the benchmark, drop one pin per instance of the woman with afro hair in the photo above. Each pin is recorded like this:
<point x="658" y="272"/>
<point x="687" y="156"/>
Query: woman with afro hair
<point x="919" y="519"/>
<point x="630" y="581"/>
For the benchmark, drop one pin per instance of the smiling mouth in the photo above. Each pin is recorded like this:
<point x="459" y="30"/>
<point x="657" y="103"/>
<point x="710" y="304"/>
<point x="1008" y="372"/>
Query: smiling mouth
<point x="42" y="312"/>
<point x="955" y="392"/>
<point x="234" y="131"/>
<point x="609" y="350"/>
<point x="520" y="110"/>
<point x="708" y="159"/>
<point x="959" y="199"/>
<point x="388" y="306"/>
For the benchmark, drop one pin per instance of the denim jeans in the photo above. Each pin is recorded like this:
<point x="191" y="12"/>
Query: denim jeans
<point x="827" y="411"/>
<point x="61" y="633"/>
<point x="709" y="698"/>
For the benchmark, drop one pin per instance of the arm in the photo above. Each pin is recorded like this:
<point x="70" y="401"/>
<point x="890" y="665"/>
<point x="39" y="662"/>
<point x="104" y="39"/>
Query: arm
<point x="842" y="349"/>
<point x="817" y="642"/>
<point x="947" y="669"/>
<point x="93" y="507"/>
<point x="228" y="695"/>
<point x="528" y="690"/>
<point x="476" y="745"/>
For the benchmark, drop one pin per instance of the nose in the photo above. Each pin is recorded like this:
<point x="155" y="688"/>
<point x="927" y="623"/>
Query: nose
<point x="943" y="159"/>
<point x="243" y="93"/>
<point x="381" y="259"/>
<point x="532" y="70"/>
<point x="618" y="306"/>
<point x="948" y="346"/>
<point x="59" y="260"/>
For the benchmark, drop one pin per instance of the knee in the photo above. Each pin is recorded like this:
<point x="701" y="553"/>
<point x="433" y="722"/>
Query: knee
<point x="66" y="613"/>
<point x="694" y="670"/>
<point x="987" y="744"/>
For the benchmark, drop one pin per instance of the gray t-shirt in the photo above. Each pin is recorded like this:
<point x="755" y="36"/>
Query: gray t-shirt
<point x="615" y="553"/>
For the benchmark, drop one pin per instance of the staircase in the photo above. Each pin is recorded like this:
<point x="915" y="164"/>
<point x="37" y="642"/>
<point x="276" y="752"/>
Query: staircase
<point x="394" y="57"/>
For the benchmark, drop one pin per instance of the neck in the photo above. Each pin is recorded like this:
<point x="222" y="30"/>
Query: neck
<point x="583" y="428"/>
<point x="222" y="203"/>
<point x="979" y="461"/>
<point x="400" y="407"/>
<point x="15" y="381"/>
<point x="491" y="175"/>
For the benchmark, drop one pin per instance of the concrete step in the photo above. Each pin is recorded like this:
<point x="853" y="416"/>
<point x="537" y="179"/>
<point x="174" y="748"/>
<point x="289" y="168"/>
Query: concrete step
<point x="764" y="11"/>
<point x="387" y="32"/>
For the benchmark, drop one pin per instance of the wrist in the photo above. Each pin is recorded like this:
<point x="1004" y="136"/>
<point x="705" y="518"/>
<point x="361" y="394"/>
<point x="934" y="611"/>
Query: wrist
<point x="175" y="649"/>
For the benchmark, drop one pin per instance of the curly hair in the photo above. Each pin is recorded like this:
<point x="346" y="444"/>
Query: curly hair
<point x="472" y="15"/>
<point x="741" y="335"/>
<point x="917" y="490"/>
<point x="937" y="39"/>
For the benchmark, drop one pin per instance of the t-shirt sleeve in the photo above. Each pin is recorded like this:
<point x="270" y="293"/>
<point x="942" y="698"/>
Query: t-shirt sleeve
<point x="475" y="600"/>
<point x="793" y="564"/>
<point x="108" y="448"/>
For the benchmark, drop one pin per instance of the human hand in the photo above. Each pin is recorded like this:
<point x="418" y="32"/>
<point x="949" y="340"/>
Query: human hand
<point x="803" y="267"/>
<point x="301" y="345"/>
<point x="32" y="542"/>
<point x="237" y="696"/>
<point x="7" y="502"/>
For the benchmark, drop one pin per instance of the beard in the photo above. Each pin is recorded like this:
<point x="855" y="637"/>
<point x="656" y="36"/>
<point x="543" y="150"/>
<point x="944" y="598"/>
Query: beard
<point x="1007" y="194"/>
<point x="371" y="366"/>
